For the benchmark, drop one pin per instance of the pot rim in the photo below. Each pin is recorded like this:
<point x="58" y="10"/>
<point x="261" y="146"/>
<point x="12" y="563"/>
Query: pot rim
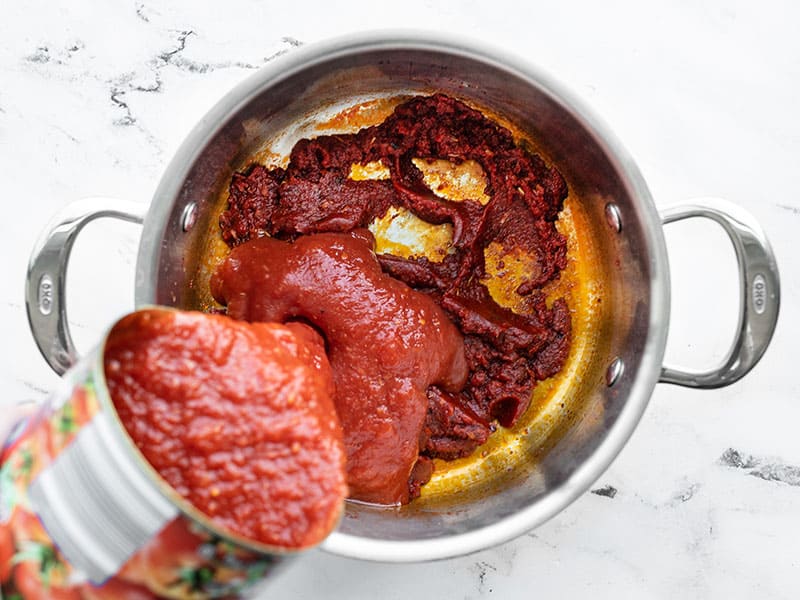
<point x="647" y="374"/>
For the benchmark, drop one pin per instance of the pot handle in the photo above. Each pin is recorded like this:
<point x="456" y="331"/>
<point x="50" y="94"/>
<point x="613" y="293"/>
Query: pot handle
<point x="759" y="291"/>
<point x="45" y="284"/>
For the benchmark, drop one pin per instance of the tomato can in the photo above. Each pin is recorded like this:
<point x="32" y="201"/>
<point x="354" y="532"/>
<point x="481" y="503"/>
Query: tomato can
<point x="83" y="515"/>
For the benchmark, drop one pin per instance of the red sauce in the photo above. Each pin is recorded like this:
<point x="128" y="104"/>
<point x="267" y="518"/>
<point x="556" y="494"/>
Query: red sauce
<point x="507" y="352"/>
<point x="386" y="343"/>
<point x="237" y="418"/>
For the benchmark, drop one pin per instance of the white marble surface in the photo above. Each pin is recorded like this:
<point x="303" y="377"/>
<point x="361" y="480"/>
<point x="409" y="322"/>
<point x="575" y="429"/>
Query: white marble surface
<point x="96" y="96"/>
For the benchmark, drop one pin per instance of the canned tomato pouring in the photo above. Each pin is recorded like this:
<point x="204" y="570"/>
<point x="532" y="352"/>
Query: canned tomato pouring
<point x="121" y="481"/>
<point x="431" y="211"/>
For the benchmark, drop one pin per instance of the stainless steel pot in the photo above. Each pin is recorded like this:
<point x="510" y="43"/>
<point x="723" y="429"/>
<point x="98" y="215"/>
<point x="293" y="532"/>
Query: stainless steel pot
<point x="616" y="383"/>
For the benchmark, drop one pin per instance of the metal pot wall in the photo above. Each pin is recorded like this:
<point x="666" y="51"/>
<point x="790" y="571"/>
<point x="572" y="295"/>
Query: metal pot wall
<point x="611" y="386"/>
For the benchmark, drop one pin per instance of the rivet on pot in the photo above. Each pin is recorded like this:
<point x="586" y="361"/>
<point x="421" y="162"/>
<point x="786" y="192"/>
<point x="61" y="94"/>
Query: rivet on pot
<point x="189" y="216"/>
<point x="614" y="371"/>
<point x="613" y="217"/>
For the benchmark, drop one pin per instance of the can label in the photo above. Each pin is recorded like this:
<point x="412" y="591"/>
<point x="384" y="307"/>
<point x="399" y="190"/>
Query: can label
<point x="95" y="501"/>
<point x="61" y="487"/>
<point x="32" y="566"/>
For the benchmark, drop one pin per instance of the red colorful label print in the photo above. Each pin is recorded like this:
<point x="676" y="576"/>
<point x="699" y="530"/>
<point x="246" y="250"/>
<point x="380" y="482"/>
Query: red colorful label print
<point x="181" y="561"/>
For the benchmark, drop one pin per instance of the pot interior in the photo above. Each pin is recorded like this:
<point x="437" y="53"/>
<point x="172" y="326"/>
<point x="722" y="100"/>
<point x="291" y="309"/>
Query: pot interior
<point x="576" y="422"/>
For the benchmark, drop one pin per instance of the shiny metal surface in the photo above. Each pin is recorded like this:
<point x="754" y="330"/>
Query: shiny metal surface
<point x="45" y="287"/>
<point x="759" y="289"/>
<point x="614" y="371"/>
<point x="311" y="80"/>
<point x="613" y="217"/>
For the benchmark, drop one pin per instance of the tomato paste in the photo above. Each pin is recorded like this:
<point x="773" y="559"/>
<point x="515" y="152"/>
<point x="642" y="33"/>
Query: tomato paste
<point x="387" y="344"/>
<point x="507" y="352"/>
<point x="237" y="418"/>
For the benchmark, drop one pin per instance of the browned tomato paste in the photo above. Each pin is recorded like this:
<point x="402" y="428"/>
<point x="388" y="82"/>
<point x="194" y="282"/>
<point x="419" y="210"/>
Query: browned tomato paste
<point x="387" y="344"/>
<point x="506" y="352"/>
<point x="236" y="417"/>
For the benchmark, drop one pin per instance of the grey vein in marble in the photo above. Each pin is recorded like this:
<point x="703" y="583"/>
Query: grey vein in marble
<point x="792" y="209"/>
<point x="788" y="474"/>
<point x="174" y="58"/>
<point x="768" y="470"/>
<point x="535" y="536"/>
<point x="291" y="41"/>
<point x="121" y="86"/>
<point x="34" y="388"/>
<point x="192" y="66"/>
<point x="117" y="94"/>
<point x="118" y="86"/>
<point x="739" y="460"/>
<point x="686" y="494"/>
<point x="140" y="10"/>
<point x="41" y="55"/>
<point x="66" y="134"/>
<point x="608" y="491"/>
<point x="482" y="568"/>
<point x="182" y="37"/>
